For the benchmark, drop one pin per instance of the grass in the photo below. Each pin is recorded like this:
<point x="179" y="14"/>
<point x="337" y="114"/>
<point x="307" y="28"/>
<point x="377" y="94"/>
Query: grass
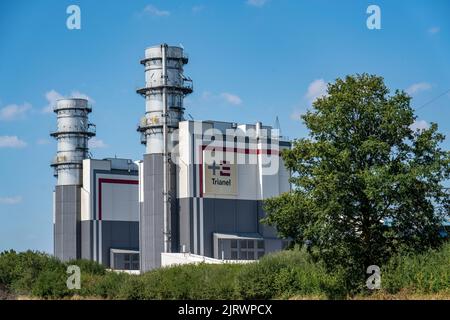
<point x="284" y="275"/>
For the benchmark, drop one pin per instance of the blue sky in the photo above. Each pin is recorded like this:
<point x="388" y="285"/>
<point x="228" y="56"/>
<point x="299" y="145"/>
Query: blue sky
<point x="250" y="60"/>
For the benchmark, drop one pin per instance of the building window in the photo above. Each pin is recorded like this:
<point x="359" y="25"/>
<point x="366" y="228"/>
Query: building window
<point x="135" y="262"/>
<point x="126" y="261"/>
<point x="246" y="249"/>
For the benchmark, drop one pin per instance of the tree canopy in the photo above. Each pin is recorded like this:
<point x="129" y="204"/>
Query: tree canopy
<point x="366" y="184"/>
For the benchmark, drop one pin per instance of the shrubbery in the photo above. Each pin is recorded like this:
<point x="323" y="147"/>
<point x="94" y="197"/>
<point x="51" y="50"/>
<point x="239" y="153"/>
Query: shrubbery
<point x="425" y="273"/>
<point x="24" y="273"/>
<point x="51" y="284"/>
<point x="287" y="274"/>
<point x="41" y="275"/>
<point x="276" y="276"/>
<point x="88" y="266"/>
<point x="107" y="286"/>
<point x="204" y="281"/>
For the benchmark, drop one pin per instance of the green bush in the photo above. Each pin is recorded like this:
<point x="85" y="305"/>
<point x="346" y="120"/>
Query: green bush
<point x="203" y="281"/>
<point x="42" y="275"/>
<point x="88" y="267"/>
<point x="287" y="274"/>
<point x="276" y="276"/>
<point x="51" y="284"/>
<point x="108" y="286"/>
<point x="132" y="288"/>
<point x="20" y="271"/>
<point x="424" y="273"/>
<point x="8" y="264"/>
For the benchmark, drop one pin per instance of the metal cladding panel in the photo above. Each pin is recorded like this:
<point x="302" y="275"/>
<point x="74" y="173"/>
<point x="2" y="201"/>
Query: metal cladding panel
<point x="247" y="216"/>
<point x="185" y="225"/>
<point x="67" y="230"/>
<point x="87" y="240"/>
<point x="227" y="216"/>
<point x="265" y="230"/>
<point x="120" y="201"/>
<point x="221" y="215"/>
<point x="198" y="222"/>
<point x="118" y="235"/>
<point x="185" y="184"/>
<point x="269" y="185"/>
<point x="115" y="235"/>
<point x="284" y="176"/>
<point x="86" y="213"/>
<point x="141" y="179"/>
<point x="151" y="222"/>
<point x="174" y="209"/>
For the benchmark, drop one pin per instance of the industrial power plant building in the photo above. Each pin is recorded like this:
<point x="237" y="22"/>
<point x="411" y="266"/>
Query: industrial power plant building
<point x="196" y="194"/>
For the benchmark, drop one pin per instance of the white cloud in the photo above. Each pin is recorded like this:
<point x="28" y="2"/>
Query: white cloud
<point x="434" y="30"/>
<point x="257" y="3"/>
<point x="154" y="11"/>
<point x="224" y="96"/>
<point x="418" y="87"/>
<point x="14" y="111"/>
<point x="419" y="125"/>
<point x="11" y="142"/>
<point x="10" y="200"/>
<point x="316" y="89"/>
<point x="96" y="143"/>
<point x="52" y="96"/>
<point x="231" y="98"/>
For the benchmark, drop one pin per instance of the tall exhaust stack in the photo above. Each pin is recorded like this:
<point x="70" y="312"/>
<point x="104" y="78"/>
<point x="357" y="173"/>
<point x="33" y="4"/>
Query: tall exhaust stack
<point x="164" y="91"/>
<point x="72" y="134"/>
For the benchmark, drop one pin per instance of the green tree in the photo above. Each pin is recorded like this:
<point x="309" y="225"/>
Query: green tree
<point x="366" y="185"/>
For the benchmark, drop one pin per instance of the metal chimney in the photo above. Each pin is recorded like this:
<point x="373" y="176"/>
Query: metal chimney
<point x="166" y="86"/>
<point x="72" y="134"/>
